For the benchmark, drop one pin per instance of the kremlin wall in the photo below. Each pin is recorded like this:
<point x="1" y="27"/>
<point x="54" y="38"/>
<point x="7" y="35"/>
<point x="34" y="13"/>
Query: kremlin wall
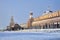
<point x="50" y="19"/>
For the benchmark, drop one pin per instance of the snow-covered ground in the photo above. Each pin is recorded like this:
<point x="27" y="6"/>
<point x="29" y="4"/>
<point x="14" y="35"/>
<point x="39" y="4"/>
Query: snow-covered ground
<point x="35" y="30"/>
<point x="31" y="34"/>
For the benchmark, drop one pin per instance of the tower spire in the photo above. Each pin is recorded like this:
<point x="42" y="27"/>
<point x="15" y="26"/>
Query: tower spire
<point x="12" y="21"/>
<point x="31" y="14"/>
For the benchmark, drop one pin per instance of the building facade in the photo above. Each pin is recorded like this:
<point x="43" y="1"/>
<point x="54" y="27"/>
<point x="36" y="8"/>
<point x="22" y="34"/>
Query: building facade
<point x="50" y="19"/>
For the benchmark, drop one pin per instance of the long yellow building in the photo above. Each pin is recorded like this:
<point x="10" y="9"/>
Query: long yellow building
<point x="48" y="20"/>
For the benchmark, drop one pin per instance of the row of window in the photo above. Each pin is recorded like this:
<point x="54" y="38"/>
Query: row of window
<point x="46" y="26"/>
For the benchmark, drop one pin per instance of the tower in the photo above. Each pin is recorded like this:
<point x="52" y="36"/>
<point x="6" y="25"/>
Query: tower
<point x="12" y="22"/>
<point x="31" y="14"/>
<point x="29" y="24"/>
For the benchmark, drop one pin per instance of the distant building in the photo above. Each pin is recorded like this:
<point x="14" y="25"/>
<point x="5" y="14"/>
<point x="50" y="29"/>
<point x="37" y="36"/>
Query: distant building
<point x="12" y="22"/>
<point x="13" y="25"/>
<point x="49" y="20"/>
<point x="29" y="24"/>
<point x="24" y="25"/>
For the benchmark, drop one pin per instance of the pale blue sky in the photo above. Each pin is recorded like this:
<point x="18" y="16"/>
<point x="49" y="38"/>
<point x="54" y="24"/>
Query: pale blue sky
<point x="20" y="9"/>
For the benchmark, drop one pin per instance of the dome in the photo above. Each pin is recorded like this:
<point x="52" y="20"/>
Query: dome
<point x="48" y="11"/>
